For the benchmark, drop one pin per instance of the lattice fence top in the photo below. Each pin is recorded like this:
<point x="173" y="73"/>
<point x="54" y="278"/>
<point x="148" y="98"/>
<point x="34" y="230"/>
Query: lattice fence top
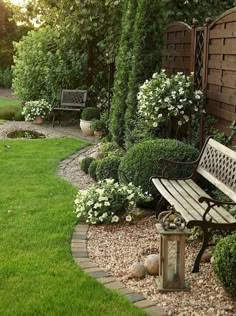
<point x="73" y="97"/>
<point x="218" y="165"/>
<point x="176" y="56"/>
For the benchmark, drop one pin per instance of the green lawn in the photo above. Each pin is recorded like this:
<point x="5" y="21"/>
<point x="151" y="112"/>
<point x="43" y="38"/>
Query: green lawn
<point x="5" y="102"/>
<point x="37" y="273"/>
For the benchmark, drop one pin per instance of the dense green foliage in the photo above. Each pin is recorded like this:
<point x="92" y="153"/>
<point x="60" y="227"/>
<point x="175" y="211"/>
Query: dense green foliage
<point x="85" y="163"/>
<point x="44" y="64"/>
<point x="90" y="113"/>
<point x="123" y="66"/>
<point x="146" y="57"/>
<point x="225" y="263"/>
<point x="186" y="11"/>
<point x="38" y="275"/>
<point x="108" y="168"/>
<point x="142" y="161"/>
<point x="92" y="170"/>
<point x="5" y="78"/>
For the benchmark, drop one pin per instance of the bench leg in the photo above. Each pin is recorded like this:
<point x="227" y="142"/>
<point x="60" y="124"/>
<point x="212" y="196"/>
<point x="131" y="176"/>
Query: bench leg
<point x="53" y="119"/>
<point x="201" y="251"/>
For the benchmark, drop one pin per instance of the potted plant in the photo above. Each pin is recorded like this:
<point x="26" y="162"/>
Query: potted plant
<point x="36" y="110"/>
<point x="99" y="127"/>
<point x="87" y="116"/>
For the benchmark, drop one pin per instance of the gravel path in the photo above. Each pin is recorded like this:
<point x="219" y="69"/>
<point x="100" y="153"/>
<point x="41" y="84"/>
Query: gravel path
<point x="115" y="247"/>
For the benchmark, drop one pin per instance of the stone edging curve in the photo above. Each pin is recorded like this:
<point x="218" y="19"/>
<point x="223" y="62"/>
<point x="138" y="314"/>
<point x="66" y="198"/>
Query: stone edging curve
<point x="81" y="257"/>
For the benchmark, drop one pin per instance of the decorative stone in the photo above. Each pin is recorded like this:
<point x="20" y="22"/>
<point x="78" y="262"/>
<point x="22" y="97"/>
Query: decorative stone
<point x="152" y="264"/>
<point x="212" y="260"/>
<point x="137" y="270"/>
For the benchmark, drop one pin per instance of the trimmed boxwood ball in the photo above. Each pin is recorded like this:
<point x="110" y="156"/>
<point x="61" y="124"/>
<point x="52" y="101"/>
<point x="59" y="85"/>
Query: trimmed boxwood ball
<point x="85" y="163"/>
<point x="142" y="161"/>
<point x="93" y="169"/>
<point x="225" y="263"/>
<point x="108" y="168"/>
<point x="90" y="114"/>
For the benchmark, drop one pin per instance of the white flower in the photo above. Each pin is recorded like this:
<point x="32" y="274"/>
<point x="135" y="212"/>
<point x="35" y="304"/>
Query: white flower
<point x="107" y="203"/>
<point x="115" y="219"/>
<point x="128" y="218"/>
<point x="154" y="124"/>
<point x="160" y="115"/>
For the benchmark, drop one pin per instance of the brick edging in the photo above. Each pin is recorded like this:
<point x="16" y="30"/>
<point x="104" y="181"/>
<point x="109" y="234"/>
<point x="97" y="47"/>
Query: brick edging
<point x="81" y="257"/>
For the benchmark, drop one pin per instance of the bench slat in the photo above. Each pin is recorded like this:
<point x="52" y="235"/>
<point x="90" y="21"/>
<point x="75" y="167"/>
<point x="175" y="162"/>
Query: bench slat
<point x="172" y="200"/>
<point x="225" y="214"/>
<point x="185" y="203"/>
<point x="194" y="204"/>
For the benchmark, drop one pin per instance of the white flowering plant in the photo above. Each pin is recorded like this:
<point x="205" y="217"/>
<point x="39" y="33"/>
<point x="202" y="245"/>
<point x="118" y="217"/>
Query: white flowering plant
<point x="163" y="98"/>
<point x="107" y="202"/>
<point x="32" y="109"/>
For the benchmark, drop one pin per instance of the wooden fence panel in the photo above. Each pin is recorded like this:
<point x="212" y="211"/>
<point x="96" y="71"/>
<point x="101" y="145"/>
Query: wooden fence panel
<point x="177" y="52"/>
<point x="221" y="69"/>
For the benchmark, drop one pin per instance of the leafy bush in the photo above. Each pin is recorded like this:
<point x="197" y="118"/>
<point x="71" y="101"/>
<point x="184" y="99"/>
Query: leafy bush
<point x="107" y="202"/>
<point x="108" y="168"/>
<point x="163" y="98"/>
<point x="107" y="149"/>
<point x="46" y="61"/>
<point x="8" y="112"/>
<point x="85" y="163"/>
<point x="142" y="161"/>
<point x="90" y="114"/>
<point x="5" y="78"/>
<point x="225" y="263"/>
<point x="98" y="125"/>
<point x="19" y="116"/>
<point x="93" y="169"/>
<point x="32" y="109"/>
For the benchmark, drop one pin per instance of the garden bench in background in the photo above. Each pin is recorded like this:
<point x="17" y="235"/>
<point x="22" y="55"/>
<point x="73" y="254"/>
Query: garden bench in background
<point x="71" y="101"/>
<point x="217" y="164"/>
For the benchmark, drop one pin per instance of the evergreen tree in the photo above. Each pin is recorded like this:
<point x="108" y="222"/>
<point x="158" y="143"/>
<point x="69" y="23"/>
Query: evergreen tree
<point x="146" y="59"/>
<point x="123" y="66"/>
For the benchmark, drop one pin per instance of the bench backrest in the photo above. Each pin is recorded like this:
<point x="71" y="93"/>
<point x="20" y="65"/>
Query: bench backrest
<point x="218" y="165"/>
<point x="73" y="98"/>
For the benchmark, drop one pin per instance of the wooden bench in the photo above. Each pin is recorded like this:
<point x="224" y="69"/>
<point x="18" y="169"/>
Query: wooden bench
<point x="71" y="101"/>
<point x="217" y="164"/>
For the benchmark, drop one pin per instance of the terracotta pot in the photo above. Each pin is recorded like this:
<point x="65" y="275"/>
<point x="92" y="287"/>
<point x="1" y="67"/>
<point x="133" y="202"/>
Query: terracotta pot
<point x="38" y="120"/>
<point x="98" y="134"/>
<point x="86" y="128"/>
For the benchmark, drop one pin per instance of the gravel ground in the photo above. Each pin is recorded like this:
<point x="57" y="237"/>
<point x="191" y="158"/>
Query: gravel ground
<point x="115" y="247"/>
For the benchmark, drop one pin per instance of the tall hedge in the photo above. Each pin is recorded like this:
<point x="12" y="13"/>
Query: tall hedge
<point x="147" y="41"/>
<point x="123" y="66"/>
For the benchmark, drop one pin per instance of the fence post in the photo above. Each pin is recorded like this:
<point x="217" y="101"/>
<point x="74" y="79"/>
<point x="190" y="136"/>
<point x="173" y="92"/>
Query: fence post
<point x="204" y="80"/>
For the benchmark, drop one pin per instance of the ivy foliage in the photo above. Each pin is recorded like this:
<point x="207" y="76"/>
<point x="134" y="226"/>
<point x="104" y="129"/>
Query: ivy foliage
<point x="44" y="64"/>
<point x="186" y="10"/>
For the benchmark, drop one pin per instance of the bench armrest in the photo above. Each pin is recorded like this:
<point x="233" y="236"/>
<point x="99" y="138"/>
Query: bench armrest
<point x="178" y="163"/>
<point x="211" y="203"/>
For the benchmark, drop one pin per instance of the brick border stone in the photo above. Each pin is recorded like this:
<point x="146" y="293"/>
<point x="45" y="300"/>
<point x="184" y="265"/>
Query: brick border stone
<point x="81" y="257"/>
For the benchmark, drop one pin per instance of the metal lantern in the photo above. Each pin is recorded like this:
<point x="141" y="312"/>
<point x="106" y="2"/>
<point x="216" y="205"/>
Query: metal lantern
<point x="172" y="251"/>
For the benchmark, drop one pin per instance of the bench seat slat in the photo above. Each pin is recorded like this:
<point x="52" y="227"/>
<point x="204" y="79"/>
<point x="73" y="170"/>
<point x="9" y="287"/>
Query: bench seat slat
<point x="191" y="203"/>
<point x="217" y="214"/>
<point x="67" y="109"/>
<point x="172" y="188"/>
<point x="172" y="200"/>
<point x="225" y="214"/>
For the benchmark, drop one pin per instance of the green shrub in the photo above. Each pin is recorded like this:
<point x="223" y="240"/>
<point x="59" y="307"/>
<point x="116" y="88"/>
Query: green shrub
<point x="108" y="168"/>
<point x="8" y="112"/>
<point x="90" y="114"/>
<point x="93" y="169"/>
<point x="85" y="163"/>
<point x="19" y="116"/>
<point x="99" y="125"/>
<point x="225" y="263"/>
<point x="107" y="149"/>
<point x="5" y="78"/>
<point x="142" y="161"/>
